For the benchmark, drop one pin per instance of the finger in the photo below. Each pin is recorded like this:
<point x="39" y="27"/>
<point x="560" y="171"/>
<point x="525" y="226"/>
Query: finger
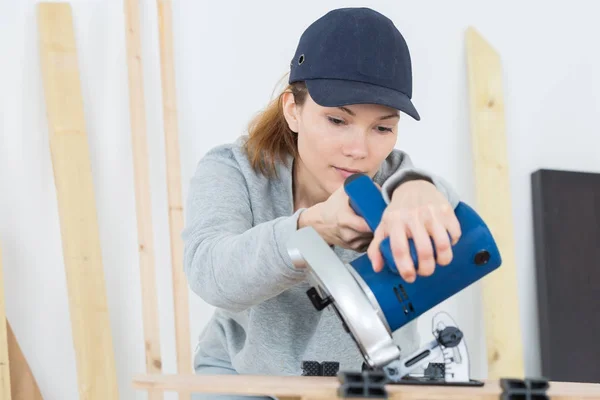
<point x="356" y="223"/>
<point x="361" y="244"/>
<point x="373" y="252"/>
<point x="358" y="239"/>
<point x="352" y="238"/>
<point x="439" y="235"/>
<point x="423" y="246"/>
<point x="347" y="236"/>
<point x="453" y="227"/>
<point x="401" y="253"/>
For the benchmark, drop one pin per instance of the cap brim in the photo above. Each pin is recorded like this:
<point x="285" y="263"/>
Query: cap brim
<point x="336" y="93"/>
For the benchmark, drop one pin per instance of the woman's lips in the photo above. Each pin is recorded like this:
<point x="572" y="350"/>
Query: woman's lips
<point x="346" y="172"/>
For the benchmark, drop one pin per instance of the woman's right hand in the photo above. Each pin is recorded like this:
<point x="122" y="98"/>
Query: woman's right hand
<point x="337" y="223"/>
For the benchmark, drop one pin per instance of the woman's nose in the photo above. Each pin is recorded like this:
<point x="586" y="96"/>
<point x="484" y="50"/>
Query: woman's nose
<point x="355" y="145"/>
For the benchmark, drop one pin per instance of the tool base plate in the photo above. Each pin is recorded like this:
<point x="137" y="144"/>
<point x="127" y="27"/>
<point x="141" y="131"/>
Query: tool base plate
<point x="435" y="382"/>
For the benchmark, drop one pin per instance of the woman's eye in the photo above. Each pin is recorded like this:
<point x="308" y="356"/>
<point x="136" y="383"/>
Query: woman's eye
<point x="335" y="121"/>
<point x="384" y="129"/>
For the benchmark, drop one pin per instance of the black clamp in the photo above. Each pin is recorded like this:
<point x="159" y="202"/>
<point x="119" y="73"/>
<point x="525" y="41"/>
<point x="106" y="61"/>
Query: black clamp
<point x="524" y="389"/>
<point x="315" y="368"/>
<point x="365" y="384"/>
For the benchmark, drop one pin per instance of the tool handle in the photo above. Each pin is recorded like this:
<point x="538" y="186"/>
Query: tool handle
<point x="367" y="201"/>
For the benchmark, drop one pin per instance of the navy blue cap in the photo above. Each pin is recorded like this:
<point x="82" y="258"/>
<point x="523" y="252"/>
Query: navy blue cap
<point x="355" y="56"/>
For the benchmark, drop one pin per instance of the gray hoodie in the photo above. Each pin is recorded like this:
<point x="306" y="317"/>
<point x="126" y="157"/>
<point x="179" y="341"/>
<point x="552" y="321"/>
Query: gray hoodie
<point x="235" y="258"/>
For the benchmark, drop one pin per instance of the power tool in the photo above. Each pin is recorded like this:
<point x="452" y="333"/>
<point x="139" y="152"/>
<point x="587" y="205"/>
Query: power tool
<point x="373" y="305"/>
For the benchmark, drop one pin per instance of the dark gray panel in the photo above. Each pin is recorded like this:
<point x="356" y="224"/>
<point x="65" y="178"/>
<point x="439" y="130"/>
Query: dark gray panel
<point x="566" y="214"/>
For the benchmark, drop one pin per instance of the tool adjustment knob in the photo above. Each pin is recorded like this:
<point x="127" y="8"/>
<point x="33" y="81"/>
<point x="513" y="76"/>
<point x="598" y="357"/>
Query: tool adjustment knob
<point x="450" y="336"/>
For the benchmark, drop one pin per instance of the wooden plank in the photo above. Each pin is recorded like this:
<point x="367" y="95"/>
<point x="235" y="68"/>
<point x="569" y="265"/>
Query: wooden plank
<point x="566" y="216"/>
<point x="23" y="385"/>
<point x="493" y="201"/>
<point x="142" y="191"/>
<point x="5" y="392"/>
<point x="21" y="382"/>
<point x="180" y="286"/>
<point x="90" y="322"/>
<point x="322" y="388"/>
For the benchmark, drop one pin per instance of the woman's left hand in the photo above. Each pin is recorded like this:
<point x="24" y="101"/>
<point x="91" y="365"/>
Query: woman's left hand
<point x="417" y="210"/>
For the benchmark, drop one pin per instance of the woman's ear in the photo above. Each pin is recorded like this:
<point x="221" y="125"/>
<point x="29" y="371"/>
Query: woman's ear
<point x="290" y="111"/>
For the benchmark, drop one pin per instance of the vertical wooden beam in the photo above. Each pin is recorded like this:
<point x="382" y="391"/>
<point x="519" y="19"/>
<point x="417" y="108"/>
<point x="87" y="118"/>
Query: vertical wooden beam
<point x="90" y="322"/>
<point x="180" y="287"/>
<point x="16" y="380"/>
<point x="142" y="191"/>
<point x="23" y="385"/>
<point x="500" y="291"/>
<point x="5" y="392"/>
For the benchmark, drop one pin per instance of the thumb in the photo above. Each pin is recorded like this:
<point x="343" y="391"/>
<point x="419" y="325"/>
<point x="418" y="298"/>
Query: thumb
<point x="373" y="252"/>
<point x="358" y="223"/>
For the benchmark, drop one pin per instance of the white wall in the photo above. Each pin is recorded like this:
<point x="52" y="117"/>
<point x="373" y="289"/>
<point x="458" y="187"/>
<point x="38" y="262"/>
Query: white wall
<point x="230" y="56"/>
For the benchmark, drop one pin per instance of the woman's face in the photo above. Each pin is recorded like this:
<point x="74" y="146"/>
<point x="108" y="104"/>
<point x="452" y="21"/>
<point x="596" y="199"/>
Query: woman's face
<point x="334" y="143"/>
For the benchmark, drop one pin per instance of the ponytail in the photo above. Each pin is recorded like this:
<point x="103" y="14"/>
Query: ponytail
<point x="269" y="137"/>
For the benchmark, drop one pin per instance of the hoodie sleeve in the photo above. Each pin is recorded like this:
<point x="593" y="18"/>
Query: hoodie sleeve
<point x="228" y="262"/>
<point x="403" y="170"/>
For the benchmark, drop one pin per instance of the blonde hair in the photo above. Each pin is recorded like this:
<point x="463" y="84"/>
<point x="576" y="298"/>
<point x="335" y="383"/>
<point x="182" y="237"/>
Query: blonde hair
<point x="270" y="139"/>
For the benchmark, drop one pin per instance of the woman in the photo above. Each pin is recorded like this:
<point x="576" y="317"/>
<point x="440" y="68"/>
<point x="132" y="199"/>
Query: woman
<point x="349" y="82"/>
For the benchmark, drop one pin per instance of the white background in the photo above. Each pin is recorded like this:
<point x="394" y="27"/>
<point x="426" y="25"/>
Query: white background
<point x="230" y="56"/>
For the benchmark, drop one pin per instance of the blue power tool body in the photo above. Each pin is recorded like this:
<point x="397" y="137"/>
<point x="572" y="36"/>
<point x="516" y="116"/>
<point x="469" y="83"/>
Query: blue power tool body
<point x="474" y="256"/>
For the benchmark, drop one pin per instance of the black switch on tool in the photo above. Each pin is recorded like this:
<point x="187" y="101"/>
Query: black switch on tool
<point x="316" y="300"/>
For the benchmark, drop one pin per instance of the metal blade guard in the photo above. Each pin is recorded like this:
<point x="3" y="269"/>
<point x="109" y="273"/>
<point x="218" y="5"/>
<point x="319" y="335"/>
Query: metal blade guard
<point x="372" y="305"/>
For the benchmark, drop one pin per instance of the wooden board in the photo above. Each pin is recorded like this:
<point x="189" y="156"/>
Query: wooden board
<point x="566" y="215"/>
<point x="326" y="387"/>
<point x="180" y="286"/>
<point x="142" y="191"/>
<point x="5" y="392"/>
<point x="493" y="202"/>
<point x="90" y="323"/>
<point x="23" y="385"/>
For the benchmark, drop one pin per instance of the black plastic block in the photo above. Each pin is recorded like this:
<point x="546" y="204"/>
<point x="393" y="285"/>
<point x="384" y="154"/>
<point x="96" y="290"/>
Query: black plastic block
<point x="435" y="371"/>
<point x="330" y="368"/>
<point x="315" y="368"/>
<point x="311" y="368"/>
<point x="524" y="389"/>
<point x="365" y="384"/>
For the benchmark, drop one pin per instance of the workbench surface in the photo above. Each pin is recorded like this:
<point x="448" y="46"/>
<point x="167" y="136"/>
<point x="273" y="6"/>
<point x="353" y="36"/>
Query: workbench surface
<point x="322" y="388"/>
